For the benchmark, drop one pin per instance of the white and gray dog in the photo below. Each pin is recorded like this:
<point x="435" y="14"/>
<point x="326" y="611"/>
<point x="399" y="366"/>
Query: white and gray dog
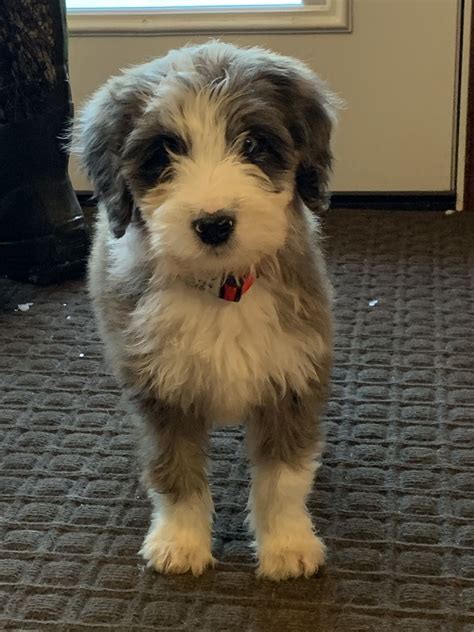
<point x="209" y="285"/>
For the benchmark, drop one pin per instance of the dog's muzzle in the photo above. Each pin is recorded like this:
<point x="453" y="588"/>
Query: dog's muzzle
<point x="214" y="229"/>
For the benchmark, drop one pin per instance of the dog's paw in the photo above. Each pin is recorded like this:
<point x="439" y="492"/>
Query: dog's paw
<point x="176" y="553"/>
<point x="174" y="557"/>
<point x="285" y="557"/>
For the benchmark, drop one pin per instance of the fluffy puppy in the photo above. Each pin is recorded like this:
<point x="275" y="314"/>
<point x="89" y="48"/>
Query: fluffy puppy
<point x="209" y="285"/>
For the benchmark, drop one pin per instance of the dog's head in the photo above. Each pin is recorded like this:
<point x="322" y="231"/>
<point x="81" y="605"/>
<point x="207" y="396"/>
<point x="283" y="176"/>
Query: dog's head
<point x="214" y="144"/>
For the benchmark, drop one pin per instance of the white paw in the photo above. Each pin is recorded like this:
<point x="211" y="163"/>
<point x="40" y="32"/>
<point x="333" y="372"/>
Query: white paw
<point x="282" y="557"/>
<point x="175" y="552"/>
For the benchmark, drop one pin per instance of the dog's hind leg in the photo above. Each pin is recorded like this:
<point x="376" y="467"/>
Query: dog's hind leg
<point x="284" y="446"/>
<point x="174" y="460"/>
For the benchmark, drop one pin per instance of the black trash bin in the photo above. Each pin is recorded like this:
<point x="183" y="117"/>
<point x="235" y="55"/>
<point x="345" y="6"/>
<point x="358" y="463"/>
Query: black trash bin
<point x="43" y="236"/>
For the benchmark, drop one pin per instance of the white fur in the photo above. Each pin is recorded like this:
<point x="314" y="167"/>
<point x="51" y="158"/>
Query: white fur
<point x="179" y="538"/>
<point x="127" y="254"/>
<point x="286" y="542"/>
<point x="193" y="345"/>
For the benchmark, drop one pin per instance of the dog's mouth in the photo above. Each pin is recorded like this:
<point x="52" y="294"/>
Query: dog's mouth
<point x="219" y="252"/>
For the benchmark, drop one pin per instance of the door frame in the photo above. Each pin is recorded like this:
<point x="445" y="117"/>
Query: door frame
<point x="465" y="155"/>
<point x="468" y="197"/>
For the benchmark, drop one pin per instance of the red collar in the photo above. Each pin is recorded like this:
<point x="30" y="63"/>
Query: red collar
<point x="234" y="288"/>
<point x="230" y="288"/>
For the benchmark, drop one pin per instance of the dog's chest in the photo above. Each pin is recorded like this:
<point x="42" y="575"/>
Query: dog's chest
<point x="197" y="348"/>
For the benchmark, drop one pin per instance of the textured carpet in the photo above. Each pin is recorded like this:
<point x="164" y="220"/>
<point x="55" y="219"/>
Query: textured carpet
<point x="394" y="499"/>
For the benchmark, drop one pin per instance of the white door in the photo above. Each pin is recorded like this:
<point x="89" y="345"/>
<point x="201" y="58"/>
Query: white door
<point x="393" y="61"/>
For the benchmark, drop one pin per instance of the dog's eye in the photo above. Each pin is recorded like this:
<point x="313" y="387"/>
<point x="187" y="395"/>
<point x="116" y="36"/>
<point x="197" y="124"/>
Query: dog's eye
<point x="265" y="149"/>
<point x="158" y="157"/>
<point x="173" y="144"/>
<point x="251" y="146"/>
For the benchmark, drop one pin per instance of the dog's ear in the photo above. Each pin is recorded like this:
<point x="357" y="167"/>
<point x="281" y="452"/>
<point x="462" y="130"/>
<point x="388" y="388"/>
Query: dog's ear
<point x="311" y="114"/>
<point x="313" y="130"/>
<point x="102" y="129"/>
<point x="315" y="117"/>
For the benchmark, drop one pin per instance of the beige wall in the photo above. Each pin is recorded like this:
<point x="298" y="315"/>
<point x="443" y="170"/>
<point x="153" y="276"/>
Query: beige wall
<point x="396" y="70"/>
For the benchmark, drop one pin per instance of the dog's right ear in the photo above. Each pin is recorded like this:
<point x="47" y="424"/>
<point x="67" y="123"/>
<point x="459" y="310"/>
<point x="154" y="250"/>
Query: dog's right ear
<point x="102" y="128"/>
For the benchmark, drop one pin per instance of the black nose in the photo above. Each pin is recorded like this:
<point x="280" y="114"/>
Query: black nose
<point x="214" y="228"/>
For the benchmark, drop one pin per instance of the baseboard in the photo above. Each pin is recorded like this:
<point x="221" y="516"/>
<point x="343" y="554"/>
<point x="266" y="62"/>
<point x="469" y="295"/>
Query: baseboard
<point x="394" y="201"/>
<point x="390" y="201"/>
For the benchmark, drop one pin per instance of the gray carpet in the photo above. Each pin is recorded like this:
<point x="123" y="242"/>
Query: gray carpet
<point x="394" y="499"/>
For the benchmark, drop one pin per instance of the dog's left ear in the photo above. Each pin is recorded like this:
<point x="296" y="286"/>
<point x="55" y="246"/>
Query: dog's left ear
<point x="315" y="117"/>
<point x="311" y="114"/>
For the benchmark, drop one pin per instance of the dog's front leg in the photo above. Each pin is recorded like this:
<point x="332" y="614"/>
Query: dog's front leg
<point x="284" y="446"/>
<point x="174" y="460"/>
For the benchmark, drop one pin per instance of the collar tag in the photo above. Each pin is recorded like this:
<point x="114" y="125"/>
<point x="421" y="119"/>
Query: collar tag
<point x="234" y="288"/>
